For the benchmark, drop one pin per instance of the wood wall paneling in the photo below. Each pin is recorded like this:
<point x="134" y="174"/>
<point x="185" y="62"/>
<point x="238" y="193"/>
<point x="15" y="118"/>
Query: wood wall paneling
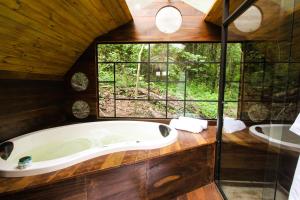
<point x="86" y="64"/>
<point x="29" y="105"/>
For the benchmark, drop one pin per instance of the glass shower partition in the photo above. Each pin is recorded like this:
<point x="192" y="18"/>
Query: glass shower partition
<point x="258" y="162"/>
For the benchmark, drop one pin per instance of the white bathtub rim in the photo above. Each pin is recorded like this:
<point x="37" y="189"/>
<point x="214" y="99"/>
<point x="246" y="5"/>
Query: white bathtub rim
<point x="54" y="165"/>
<point x="273" y="141"/>
<point x="7" y="170"/>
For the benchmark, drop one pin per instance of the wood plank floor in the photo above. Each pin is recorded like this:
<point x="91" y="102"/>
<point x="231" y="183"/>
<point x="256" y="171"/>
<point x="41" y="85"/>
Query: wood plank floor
<point x="208" y="192"/>
<point x="184" y="142"/>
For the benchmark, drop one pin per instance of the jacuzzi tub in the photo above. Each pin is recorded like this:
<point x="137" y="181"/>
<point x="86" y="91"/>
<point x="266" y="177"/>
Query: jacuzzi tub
<point x="277" y="135"/>
<point x="56" y="148"/>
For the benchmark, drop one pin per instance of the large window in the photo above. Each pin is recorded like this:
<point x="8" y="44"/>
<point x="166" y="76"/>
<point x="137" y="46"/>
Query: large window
<point x="164" y="80"/>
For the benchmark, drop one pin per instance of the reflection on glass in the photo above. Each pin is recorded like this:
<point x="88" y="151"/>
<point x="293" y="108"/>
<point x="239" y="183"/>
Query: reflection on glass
<point x="268" y="103"/>
<point x="249" y="21"/>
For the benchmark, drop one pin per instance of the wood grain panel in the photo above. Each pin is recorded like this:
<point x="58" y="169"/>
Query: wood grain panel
<point x="180" y="173"/>
<point x="39" y="37"/>
<point x="73" y="189"/>
<point x="27" y="106"/>
<point x="126" y="183"/>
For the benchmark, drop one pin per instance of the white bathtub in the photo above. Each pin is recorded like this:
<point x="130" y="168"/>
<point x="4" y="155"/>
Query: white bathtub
<point x="56" y="148"/>
<point x="277" y="135"/>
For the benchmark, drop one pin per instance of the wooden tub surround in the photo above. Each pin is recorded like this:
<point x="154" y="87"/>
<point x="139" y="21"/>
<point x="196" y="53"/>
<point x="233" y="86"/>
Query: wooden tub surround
<point x="163" y="173"/>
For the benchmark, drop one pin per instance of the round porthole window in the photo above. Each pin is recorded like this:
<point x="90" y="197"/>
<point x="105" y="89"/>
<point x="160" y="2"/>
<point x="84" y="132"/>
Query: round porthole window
<point x="249" y="21"/>
<point x="79" y="81"/>
<point x="168" y="19"/>
<point x="80" y="109"/>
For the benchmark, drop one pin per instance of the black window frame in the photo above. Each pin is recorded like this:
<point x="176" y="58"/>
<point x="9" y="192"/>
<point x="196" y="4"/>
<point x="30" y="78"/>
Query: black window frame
<point x="167" y="62"/>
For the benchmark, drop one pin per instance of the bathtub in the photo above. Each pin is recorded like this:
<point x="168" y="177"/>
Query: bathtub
<point x="57" y="148"/>
<point x="277" y="135"/>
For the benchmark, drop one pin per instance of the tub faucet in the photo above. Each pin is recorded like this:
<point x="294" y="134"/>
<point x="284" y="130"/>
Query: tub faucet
<point x="24" y="162"/>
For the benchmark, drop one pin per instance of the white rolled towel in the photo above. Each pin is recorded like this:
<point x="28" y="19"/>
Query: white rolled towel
<point x="232" y="125"/>
<point x="186" y="125"/>
<point x="201" y="122"/>
<point x="296" y="126"/>
<point x="295" y="189"/>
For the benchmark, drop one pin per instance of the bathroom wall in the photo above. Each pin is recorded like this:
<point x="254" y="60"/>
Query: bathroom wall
<point x="85" y="64"/>
<point x="193" y="29"/>
<point x="29" y="105"/>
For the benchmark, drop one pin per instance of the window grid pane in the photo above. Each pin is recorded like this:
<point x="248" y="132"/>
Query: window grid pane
<point x="172" y="80"/>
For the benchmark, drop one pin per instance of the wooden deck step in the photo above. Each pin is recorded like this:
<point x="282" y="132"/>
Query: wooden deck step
<point x="208" y="192"/>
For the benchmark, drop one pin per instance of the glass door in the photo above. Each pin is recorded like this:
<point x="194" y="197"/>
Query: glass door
<point x="258" y="152"/>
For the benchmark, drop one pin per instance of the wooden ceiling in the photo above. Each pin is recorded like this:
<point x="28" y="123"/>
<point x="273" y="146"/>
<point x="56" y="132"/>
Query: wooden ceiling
<point x="43" y="39"/>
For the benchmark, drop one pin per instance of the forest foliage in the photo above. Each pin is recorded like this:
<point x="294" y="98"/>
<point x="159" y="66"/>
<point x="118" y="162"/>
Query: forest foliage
<point x="185" y="74"/>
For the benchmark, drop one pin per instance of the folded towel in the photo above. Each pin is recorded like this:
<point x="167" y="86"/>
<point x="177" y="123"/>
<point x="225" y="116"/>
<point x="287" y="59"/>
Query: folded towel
<point x="296" y="126"/>
<point x="295" y="189"/>
<point x="232" y="125"/>
<point x="186" y="125"/>
<point x="203" y="123"/>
